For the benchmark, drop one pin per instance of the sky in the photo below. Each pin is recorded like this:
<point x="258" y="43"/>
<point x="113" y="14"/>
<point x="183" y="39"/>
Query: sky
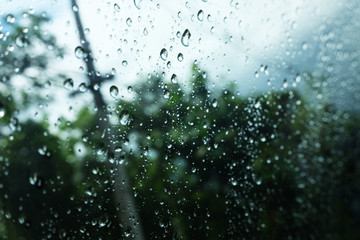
<point x="231" y="40"/>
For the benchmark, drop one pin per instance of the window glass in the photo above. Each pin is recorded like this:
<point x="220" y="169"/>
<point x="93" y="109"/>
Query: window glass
<point x="204" y="119"/>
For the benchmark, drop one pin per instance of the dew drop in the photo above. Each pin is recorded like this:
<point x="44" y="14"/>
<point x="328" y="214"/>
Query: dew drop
<point x="185" y="38"/>
<point x="124" y="117"/>
<point x="163" y="54"/>
<point x="130" y="89"/>
<point x="200" y="15"/>
<point x="79" y="52"/>
<point x="69" y="84"/>
<point x="145" y="32"/>
<point x="114" y="91"/>
<point x="124" y="63"/>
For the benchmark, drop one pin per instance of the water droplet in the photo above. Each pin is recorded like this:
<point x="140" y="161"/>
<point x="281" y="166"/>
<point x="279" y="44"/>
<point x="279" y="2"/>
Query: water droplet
<point x="285" y="83"/>
<point x="174" y="78"/>
<point x="205" y="0"/>
<point x="304" y="46"/>
<point x="14" y="122"/>
<point x="114" y="91"/>
<point x="124" y="117"/>
<point x="42" y="150"/>
<point x="124" y="63"/>
<point x="200" y="15"/>
<point x="47" y="84"/>
<point x="185" y="38"/>
<point x="33" y="179"/>
<point x="214" y="103"/>
<point x="166" y="94"/>
<point x="205" y="125"/>
<point x="2" y="110"/>
<point x="130" y="89"/>
<point x="75" y="8"/>
<point x="21" y="41"/>
<point x="117" y="7"/>
<point x="79" y="52"/>
<point x="163" y="54"/>
<point x="129" y="22"/>
<point x="10" y="18"/>
<point x="138" y="4"/>
<point x="180" y="57"/>
<point x="69" y="84"/>
<point x="145" y="32"/>
<point x="82" y="87"/>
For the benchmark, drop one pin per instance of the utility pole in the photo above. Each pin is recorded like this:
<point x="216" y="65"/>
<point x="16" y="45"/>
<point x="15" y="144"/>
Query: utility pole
<point x="127" y="214"/>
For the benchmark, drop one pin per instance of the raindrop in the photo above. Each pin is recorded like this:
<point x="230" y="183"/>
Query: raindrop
<point x="129" y="22"/>
<point x="174" y="78"/>
<point x="163" y="54"/>
<point x="205" y="125"/>
<point x="200" y="15"/>
<point x="33" y="179"/>
<point x="47" y="84"/>
<point x="114" y="91"/>
<point x="2" y="110"/>
<point x="69" y="84"/>
<point x="145" y="32"/>
<point x="166" y="94"/>
<point x="185" y="38"/>
<point x="82" y="87"/>
<point x="124" y="63"/>
<point x="79" y="52"/>
<point x="138" y="4"/>
<point x="205" y="0"/>
<point x="130" y="89"/>
<point x="21" y="41"/>
<point x="10" y="18"/>
<point x="180" y="57"/>
<point x="117" y="7"/>
<point x="13" y="123"/>
<point x="42" y="150"/>
<point x="124" y="117"/>
<point x="214" y="103"/>
<point x="75" y="8"/>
